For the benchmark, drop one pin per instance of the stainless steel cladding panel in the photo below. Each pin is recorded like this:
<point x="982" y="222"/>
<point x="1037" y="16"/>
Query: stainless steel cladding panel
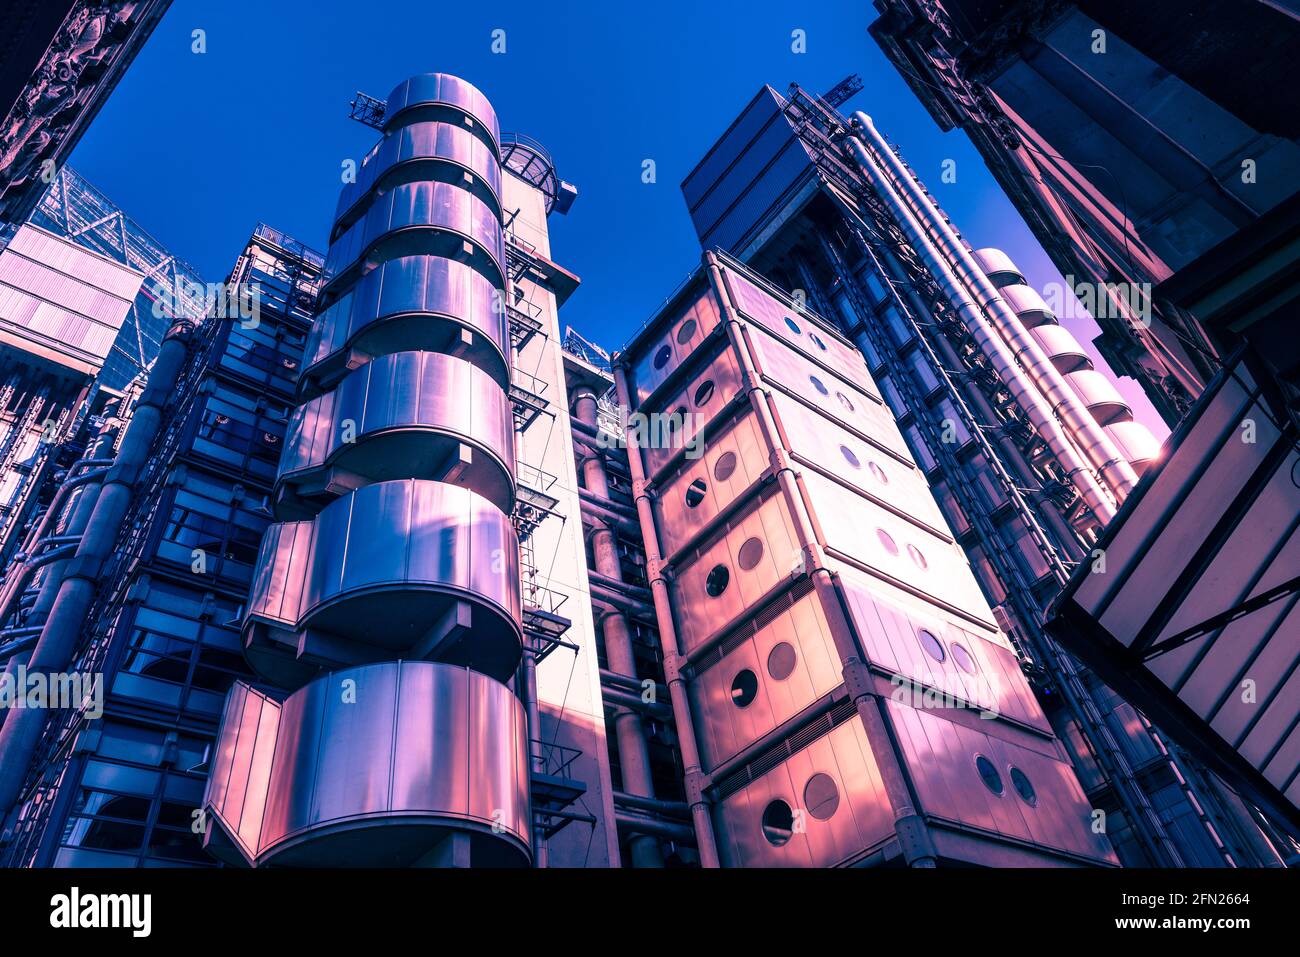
<point x="414" y="207"/>
<point x="413" y="302"/>
<point x="407" y="152"/>
<point x="404" y="415"/>
<point x="678" y="419"/>
<point x="370" y="766"/>
<point x="830" y="394"/>
<point x="979" y="780"/>
<point x="753" y="553"/>
<point x="895" y="549"/>
<point x="917" y="643"/>
<point x="831" y="787"/>
<point x="438" y="94"/>
<point x="731" y="462"/>
<point x="379" y="566"/>
<point x="799" y="330"/>
<point x="764" y="676"/>
<point x="683" y="335"/>
<point x="1100" y="396"/>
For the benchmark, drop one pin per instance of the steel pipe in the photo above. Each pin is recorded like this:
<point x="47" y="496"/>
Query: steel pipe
<point x="1097" y="447"/>
<point x="1036" y="407"/>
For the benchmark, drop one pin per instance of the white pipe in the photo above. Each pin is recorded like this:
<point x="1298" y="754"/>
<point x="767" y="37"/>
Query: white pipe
<point x="1034" y="404"/>
<point x="1097" y="447"/>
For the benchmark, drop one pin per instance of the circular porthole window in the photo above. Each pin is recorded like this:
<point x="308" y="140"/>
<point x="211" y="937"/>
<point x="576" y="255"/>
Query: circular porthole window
<point x="662" y="356"/>
<point x="794" y="326"/>
<point x="817" y="339"/>
<point x="751" y="553"/>
<point x="687" y="332"/>
<point x="744" y="689"/>
<point x="845" y="401"/>
<point x="878" y="473"/>
<point x="704" y="393"/>
<point x="932" y="645"/>
<point x="819" y="385"/>
<point x="781" y="661"/>
<point x="1024" y="787"/>
<point x="821" y="797"/>
<point x="717" y="581"/>
<point x="963" y="658"/>
<point x="887" y="540"/>
<point x="778" y="823"/>
<point x="988" y="774"/>
<point x="695" y="493"/>
<point x="918" y="557"/>
<point x="850" y="457"/>
<point x="725" y="465"/>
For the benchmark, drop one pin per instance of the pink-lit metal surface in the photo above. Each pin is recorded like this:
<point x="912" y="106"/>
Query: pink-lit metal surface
<point x="799" y="330"/>
<point x="407" y="414"/>
<point x="767" y="674"/>
<point x="439" y="95"/>
<point x="412" y="302"/>
<point x="370" y="767"/>
<point x="1137" y="443"/>
<point x="420" y="217"/>
<point x="419" y="150"/>
<point x="942" y="756"/>
<point x="688" y="410"/>
<point x="1027" y="304"/>
<point x="1100" y="396"/>
<point x="998" y="266"/>
<point x="1193" y="616"/>
<point x="766" y="642"/>
<point x="1061" y="347"/>
<point x="752" y="825"/>
<point x="381" y="565"/>
<point x="694" y="321"/>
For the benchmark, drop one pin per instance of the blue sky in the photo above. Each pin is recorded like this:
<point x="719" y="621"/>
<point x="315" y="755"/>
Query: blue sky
<point x="199" y="148"/>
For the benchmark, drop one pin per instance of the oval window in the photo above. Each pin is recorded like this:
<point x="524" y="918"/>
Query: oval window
<point x="751" y="553"/>
<point x="717" y="581"/>
<point x="695" y="493"/>
<point x="778" y="823"/>
<point x="1024" y="787"/>
<point x="793" y="326"/>
<point x="988" y="774"/>
<point x="878" y="473"/>
<point x="821" y="797"/>
<point x="781" y="661"/>
<point x="725" y="465"/>
<point x="687" y="332"/>
<point x="817" y="339"/>
<point x="819" y="385"/>
<point x="887" y="540"/>
<point x="845" y="401"/>
<point x="963" y="658"/>
<point x="850" y="457"/>
<point x="744" y="689"/>
<point x="932" y="645"/>
<point x="704" y="393"/>
<point x="662" y="356"/>
<point x="918" y="557"/>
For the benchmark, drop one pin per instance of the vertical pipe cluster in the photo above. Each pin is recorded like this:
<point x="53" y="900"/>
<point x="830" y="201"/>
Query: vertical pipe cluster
<point x="1087" y="454"/>
<point x="66" y="622"/>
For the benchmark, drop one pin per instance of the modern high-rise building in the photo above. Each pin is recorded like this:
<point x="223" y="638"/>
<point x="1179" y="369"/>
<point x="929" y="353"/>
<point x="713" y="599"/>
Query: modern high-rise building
<point x="1159" y="175"/>
<point x="1029" y="451"/>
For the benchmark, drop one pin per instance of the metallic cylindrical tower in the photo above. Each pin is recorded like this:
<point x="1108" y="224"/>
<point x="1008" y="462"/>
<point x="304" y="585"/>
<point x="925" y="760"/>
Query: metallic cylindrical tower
<point x="386" y="600"/>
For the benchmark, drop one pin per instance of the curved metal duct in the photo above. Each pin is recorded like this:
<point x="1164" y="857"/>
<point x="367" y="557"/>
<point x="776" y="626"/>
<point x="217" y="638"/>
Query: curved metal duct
<point x="371" y="767"/>
<point x="1027" y="304"/>
<point x="1036" y="407"/>
<point x="1137" y="443"/>
<point x="1059" y="345"/>
<point x="1100" y="396"/>
<point x="1096" y="446"/>
<point x="998" y="266"/>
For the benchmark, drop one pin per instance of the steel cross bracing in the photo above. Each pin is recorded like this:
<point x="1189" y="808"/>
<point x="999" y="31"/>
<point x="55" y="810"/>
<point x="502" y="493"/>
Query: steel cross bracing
<point x="1078" y="697"/>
